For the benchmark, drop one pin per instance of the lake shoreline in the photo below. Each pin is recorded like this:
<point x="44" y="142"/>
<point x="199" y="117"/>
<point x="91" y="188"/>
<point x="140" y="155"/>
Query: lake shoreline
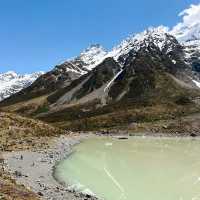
<point x="110" y="167"/>
<point x="36" y="169"/>
<point x="148" y="134"/>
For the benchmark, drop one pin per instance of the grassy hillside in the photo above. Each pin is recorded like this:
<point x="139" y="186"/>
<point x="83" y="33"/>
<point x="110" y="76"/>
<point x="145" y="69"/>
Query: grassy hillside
<point x="20" y="133"/>
<point x="119" y="117"/>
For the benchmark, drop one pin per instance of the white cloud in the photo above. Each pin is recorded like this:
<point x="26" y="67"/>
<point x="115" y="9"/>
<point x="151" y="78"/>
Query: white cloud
<point x="191" y="16"/>
<point x="189" y="27"/>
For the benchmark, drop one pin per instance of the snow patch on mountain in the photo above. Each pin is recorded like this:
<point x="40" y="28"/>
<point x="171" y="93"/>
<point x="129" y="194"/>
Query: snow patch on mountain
<point x="196" y="83"/>
<point x="11" y="82"/>
<point x="112" y="80"/>
<point x="85" y="62"/>
<point x="93" y="56"/>
<point x="70" y="66"/>
<point x="191" y="48"/>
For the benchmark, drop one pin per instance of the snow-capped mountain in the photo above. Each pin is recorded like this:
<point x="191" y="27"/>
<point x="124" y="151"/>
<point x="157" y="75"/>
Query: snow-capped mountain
<point x="158" y="68"/>
<point x="95" y="54"/>
<point x="142" y="57"/>
<point x="11" y="82"/>
<point x="59" y="77"/>
<point x="180" y="46"/>
<point x="86" y="61"/>
<point x="158" y="36"/>
<point x="189" y="37"/>
<point x="151" y="68"/>
<point x="192" y="53"/>
<point x="92" y="56"/>
<point x="157" y="39"/>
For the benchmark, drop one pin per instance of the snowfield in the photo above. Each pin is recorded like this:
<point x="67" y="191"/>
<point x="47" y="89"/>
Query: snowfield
<point x="11" y="82"/>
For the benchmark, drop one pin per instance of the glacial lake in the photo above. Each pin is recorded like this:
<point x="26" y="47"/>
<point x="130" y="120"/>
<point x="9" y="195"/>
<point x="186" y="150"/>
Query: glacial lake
<point x="135" y="169"/>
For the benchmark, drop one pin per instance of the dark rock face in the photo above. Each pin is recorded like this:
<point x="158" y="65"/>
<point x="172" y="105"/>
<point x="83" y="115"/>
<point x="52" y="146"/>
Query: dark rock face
<point x="100" y="75"/>
<point x="59" y="77"/>
<point x="141" y="70"/>
<point x="194" y="59"/>
<point x="192" y="54"/>
<point x="193" y="135"/>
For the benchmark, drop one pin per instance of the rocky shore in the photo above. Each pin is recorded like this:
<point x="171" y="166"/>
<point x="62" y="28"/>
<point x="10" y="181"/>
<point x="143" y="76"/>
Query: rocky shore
<point x="34" y="169"/>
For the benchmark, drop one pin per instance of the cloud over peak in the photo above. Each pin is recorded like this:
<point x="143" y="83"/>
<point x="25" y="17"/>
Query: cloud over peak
<point x="191" y="15"/>
<point x="189" y="27"/>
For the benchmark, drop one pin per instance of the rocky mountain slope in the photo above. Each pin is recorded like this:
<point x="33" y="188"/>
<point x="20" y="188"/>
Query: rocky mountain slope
<point x="63" y="74"/>
<point x="11" y="82"/>
<point x="151" y="70"/>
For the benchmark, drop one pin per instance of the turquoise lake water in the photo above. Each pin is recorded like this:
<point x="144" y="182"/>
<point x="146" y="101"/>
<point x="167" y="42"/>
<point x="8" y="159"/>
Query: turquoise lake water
<point x="137" y="168"/>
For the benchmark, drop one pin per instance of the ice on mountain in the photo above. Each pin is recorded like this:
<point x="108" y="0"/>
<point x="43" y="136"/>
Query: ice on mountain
<point x="11" y="82"/>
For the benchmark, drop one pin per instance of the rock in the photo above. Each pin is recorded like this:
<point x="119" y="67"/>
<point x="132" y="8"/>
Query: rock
<point x="123" y="138"/>
<point x="40" y="194"/>
<point x="1" y="160"/>
<point x="164" y="126"/>
<point x="18" y="174"/>
<point x="88" y="196"/>
<point x="51" y="155"/>
<point x="193" y="135"/>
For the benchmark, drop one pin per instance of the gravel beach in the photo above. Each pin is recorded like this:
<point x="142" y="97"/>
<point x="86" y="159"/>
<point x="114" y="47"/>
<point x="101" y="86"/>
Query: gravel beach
<point x="34" y="170"/>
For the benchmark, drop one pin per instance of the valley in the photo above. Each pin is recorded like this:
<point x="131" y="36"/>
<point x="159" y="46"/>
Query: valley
<point x="147" y="86"/>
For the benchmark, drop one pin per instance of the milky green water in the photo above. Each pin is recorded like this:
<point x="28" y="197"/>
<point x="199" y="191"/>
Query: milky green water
<point x="135" y="169"/>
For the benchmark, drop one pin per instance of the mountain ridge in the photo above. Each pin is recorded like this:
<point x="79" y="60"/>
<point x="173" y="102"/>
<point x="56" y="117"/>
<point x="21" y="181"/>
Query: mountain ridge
<point x="73" y="68"/>
<point x="11" y="82"/>
<point x="148" y="70"/>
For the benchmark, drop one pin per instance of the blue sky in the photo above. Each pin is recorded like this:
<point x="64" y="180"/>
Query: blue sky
<point x="37" y="34"/>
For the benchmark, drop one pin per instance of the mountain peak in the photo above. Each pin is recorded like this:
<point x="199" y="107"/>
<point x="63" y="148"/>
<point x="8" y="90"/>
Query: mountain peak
<point x="156" y="35"/>
<point x="155" y="31"/>
<point x="11" y="82"/>
<point x="93" y="55"/>
<point x="8" y="74"/>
